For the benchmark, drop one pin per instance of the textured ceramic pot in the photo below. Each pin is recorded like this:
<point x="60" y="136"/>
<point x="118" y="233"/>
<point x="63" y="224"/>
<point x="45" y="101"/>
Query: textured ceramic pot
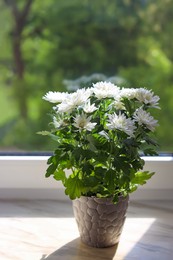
<point x="99" y="221"/>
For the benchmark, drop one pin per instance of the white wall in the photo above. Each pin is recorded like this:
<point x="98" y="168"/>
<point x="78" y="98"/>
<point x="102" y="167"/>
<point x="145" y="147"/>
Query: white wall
<point x="22" y="177"/>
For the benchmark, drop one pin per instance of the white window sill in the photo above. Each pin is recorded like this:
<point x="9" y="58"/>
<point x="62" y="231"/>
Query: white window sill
<point x="22" y="177"/>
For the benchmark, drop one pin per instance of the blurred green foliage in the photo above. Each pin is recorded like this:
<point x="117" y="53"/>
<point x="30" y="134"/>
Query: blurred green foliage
<point x="66" y="40"/>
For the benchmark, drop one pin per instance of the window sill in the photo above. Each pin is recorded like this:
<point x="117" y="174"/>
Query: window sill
<point x="22" y="177"/>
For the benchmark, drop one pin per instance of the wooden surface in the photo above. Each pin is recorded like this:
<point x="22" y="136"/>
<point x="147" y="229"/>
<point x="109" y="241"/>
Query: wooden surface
<point x="37" y="230"/>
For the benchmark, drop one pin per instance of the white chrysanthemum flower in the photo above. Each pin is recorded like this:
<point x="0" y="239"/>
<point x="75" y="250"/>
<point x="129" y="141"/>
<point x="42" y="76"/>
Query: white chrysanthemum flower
<point x="65" y="107"/>
<point x="83" y="122"/>
<point x="73" y="100"/>
<point x="81" y="96"/>
<point x="147" y="97"/>
<point x="144" y="118"/>
<point x="122" y="123"/>
<point x="55" y="97"/>
<point x="56" y="123"/>
<point x="88" y="108"/>
<point x="105" y="89"/>
<point x="129" y="93"/>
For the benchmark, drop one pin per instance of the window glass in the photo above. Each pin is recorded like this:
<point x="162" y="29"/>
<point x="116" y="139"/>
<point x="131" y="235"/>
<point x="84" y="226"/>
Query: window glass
<point x="60" y="45"/>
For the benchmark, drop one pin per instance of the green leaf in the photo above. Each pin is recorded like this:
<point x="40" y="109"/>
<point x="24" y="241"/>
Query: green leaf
<point x="137" y="164"/>
<point x="44" y="133"/>
<point x="109" y="179"/>
<point x="74" y="187"/>
<point x="58" y="152"/>
<point x="51" y="169"/>
<point x="128" y="105"/>
<point x="142" y="177"/>
<point x="150" y="151"/>
<point x="150" y="140"/>
<point x="133" y="188"/>
<point x="82" y="154"/>
<point x="120" y="163"/>
<point x="49" y="161"/>
<point x="101" y="158"/>
<point x="100" y="172"/>
<point x="87" y="168"/>
<point x="98" y="140"/>
<point x="90" y="181"/>
<point x="59" y="175"/>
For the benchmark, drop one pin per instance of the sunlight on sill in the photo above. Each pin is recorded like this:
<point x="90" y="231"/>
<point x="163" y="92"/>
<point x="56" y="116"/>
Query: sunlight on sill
<point x="130" y="238"/>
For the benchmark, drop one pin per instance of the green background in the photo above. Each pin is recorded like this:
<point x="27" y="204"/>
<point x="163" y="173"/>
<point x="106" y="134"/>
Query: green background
<point x="55" y="45"/>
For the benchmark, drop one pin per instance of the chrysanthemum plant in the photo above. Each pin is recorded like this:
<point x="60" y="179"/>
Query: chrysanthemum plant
<point x="100" y="134"/>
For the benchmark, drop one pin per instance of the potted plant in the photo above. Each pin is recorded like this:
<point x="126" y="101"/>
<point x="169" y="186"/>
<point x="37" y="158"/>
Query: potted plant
<point x="100" y="134"/>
